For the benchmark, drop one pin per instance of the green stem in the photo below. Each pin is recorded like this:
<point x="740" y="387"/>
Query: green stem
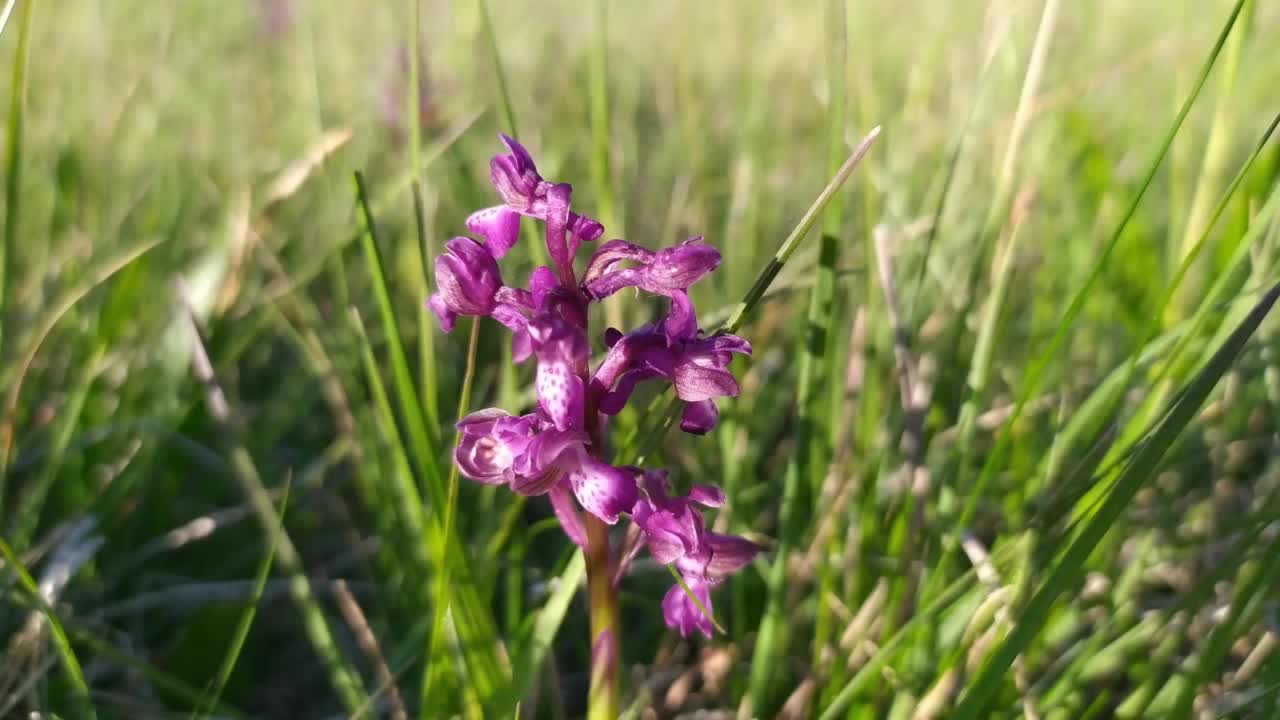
<point x="602" y="598"/>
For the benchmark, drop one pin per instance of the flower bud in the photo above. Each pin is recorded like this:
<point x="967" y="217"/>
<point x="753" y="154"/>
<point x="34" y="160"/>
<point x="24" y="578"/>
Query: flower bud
<point x="467" y="278"/>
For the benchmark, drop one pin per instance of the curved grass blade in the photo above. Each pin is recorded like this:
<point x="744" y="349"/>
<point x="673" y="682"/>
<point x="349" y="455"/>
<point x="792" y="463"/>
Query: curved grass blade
<point x="442" y="593"/>
<point x="534" y="650"/>
<point x="13" y="170"/>
<point x="1144" y="465"/>
<point x="241" y="631"/>
<point x="66" y="655"/>
<point x="772" y="637"/>
<point x="798" y="233"/>
<point x="1035" y="374"/>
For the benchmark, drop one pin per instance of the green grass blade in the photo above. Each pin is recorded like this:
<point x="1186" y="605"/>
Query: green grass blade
<point x="1035" y="374"/>
<point x="13" y="166"/>
<point x="241" y="632"/>
<point x="1142" y="467"/>
<point x="67" y="656"/>
<point x="533" y="652"/>
<point x="797" y="235"/>
<point x="772" y="637"/>
<point x="421" y="438"/>
<point x="343" y="676"/>
<point x="499" y="70"/>
<point x="442" y="593"/>
<point x="59" y="308"/>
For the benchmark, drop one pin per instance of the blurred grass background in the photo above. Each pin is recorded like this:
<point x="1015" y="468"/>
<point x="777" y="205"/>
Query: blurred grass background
<point x="196" y="324"/>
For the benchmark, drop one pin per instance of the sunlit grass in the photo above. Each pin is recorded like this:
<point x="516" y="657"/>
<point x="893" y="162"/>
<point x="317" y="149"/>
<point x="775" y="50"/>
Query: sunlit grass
<point x="1009" y="431"/>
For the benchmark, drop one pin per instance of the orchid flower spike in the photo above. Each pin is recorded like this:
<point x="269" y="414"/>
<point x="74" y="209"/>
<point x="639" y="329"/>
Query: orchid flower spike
<point x="559" y="448"/>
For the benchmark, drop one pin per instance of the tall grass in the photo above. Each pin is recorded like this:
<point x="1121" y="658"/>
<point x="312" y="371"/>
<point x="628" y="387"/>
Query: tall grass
<point x="1008" y="435"/>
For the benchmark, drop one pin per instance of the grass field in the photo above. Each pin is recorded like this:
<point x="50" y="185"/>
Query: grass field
<point x="1009" y="433"/>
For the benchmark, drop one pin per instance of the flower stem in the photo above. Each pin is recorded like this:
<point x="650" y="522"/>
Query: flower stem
<point x="602" y="598"/>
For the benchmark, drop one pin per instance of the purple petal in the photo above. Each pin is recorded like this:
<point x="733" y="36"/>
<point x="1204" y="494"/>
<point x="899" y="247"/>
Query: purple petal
<point x="557" y="220"/>
<point x="448" y="318"/>
<point x="583" y="229"/>
<point x="681" y="613"/>
<point x="567" y="513"/>
<point x="706" y="495"/>
<point x="560" y="394"/>
<point x="613" y="402"/>
<point x="695" y="382"/>
<point x="562" y="353"/>
<point x="603" y="490"/>
<point x="729" y="553"/>
<point x="490" y="441"/>
<point x="521" y="346"/>
<point x="721" y="343"/>
<point x="679" y="267"/>
<point x="664" y="533"/>
<point x="498" y="225"/>
<point x="544" y="461"/>
<point x="515" y="176"/>
<point x="515" y="297"/>
<point x="541" y="282"/>
<point x="610" y="283"/>
<point x="608" y="255"/>
<point x="520" y="156"/>
<point x="467" y="277"/>
<point x="510" y="316"/>
<point x="681" y="322"/>
<point x="699" y="418"/>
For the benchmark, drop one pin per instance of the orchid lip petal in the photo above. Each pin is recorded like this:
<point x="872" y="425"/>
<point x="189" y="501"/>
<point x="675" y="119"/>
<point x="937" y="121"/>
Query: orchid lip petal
<point x="729" y="553"/>
<point x="682" y="614"/>
<point x="695" y="382"/>
<point x="603" y="490"/>
<point x="498" y="225"/>
<point x="570" y="519"/>
<point x="699" y="418"/>
<point x="448" y="318"/>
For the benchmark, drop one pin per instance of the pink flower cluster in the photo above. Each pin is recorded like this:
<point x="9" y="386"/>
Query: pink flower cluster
<point x="557" y="450"/>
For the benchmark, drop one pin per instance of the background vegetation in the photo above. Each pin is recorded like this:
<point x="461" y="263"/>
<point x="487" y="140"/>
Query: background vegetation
<point x="1009" y="431"/>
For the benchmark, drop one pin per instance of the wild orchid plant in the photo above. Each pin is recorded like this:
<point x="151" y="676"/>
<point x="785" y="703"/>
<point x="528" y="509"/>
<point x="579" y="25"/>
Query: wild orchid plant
<point x="560" y="449"/>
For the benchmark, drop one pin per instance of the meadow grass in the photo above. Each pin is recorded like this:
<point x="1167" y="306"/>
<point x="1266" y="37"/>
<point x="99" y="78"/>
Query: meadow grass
<point x="1008" y="435"/>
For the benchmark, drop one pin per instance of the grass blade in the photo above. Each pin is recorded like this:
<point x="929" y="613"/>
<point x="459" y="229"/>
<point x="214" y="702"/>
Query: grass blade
<point x="1143" y="466"/>
<point x="1036" y="372"/>
<point x="442" y="593"/>
<point x="67" y="656"/>
<point x="13" y="168"/>
<point x="236" y="645"/>
<point x="789" y="246"/>
<point x="533" y="652"/>
<point x="817" y="330"/>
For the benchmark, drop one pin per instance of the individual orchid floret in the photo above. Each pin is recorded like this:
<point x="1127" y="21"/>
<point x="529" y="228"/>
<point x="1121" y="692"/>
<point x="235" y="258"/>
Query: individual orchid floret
<point x="562" y="353"/>
<point x="698" y="367"/>
<point x="524" y="192"/>
<point x="467" y="281"/>
<point x="672" y="527"/>
<point x="666" y="272"/>
<point x="725" y="555"/>
<point x="673" y="530"/>
<point x="728" y="554"/>
<point x="681" y="613"/>
<point x="498" y="449"/>
<point x="532" y="457"/>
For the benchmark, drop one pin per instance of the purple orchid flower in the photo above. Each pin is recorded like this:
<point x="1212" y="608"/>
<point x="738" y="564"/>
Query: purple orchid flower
<point x="557" y="450"/>
<point x="698" y="367"/>
<point x="673" y="530"/>
<point x="524" y="192"/>
<point x="666" y="272"/>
